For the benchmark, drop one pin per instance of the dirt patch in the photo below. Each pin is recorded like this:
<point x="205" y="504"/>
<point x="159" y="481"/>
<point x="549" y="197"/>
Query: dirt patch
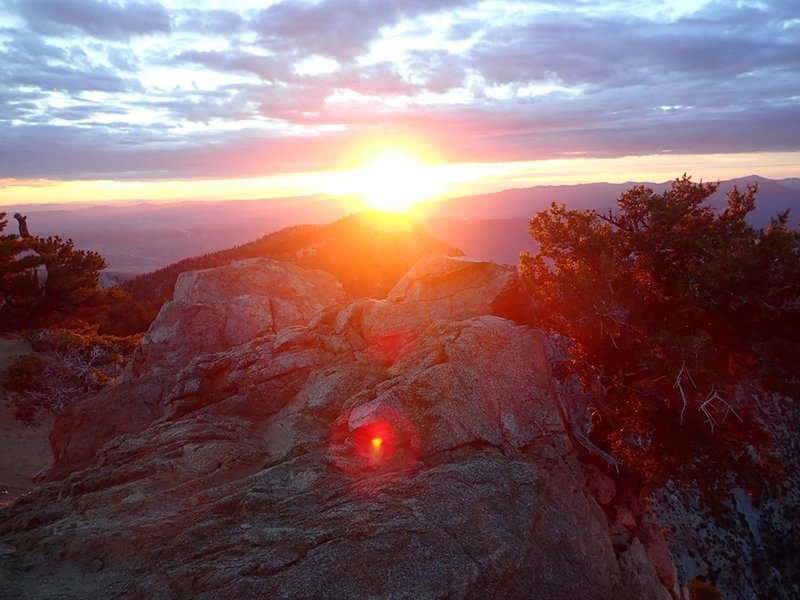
<point x="24" y="449"/>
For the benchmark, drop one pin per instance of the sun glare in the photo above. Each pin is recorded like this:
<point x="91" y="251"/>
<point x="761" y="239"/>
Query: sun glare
<point x="392" y="181"/>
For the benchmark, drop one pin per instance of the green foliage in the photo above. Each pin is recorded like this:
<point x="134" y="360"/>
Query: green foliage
<point x="69" y="363"/>
<point x="45" y="281"/>
<point x="701" y="590"/>
<point x="18" y="281"/>
<point x="670" y="307"/>
<point x="72" y="276"/>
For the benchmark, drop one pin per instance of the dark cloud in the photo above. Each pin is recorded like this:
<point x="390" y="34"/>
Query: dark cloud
<point x="97" y="18"/>
<point x="66" y="79"/>
<point x="339" y="29"/>
<point x="130" y="152"/>
<point x="230" y="103"/>
<point x="726" y="68"/>
<point x="471" y="134"/>
<point x="86" y="112"/>
<point x="375" y="79"/>
<point x="336" y="28"/>
<point x="299" y="94"/>
<point x="121" y="58"/>
<point x="70" y="153"/>
<point x="19" y="105"/>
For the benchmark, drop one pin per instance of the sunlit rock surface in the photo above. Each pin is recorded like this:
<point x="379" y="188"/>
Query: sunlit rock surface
<point x="213" y="310"/>
<point x="412" y="447"/>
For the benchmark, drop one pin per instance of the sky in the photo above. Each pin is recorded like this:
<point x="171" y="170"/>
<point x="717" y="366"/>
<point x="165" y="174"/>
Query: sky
<point x="165" y="99"/>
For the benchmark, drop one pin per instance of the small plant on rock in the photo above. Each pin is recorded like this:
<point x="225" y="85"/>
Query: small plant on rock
<point x="68" y="365"/>
<point x="702" y="590"/>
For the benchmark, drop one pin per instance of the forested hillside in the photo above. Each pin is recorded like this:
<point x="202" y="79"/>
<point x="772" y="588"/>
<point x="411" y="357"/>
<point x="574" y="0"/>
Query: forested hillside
<point x="366" y="253"/>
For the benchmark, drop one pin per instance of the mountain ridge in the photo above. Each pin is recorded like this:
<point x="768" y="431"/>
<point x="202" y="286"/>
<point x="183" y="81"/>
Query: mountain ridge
<point x="145" y="240"/>
<point x="367" y="254"/>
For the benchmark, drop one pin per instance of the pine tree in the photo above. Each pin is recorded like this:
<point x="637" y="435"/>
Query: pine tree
<point x="669" y="307"/>
<point x="19" y="287"/>
<point x="45" y="281"/>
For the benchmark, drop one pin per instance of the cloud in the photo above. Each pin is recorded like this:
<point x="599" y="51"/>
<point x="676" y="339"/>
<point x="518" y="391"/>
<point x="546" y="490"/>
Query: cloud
<point x="19" y="105"/>
<point x="268" y="68"/>
<point x="725" y="69"/>
<point x="335" y="28"/>
<point x="33" y="63"/>
<point x="96" y="18"/>
<point x="129" y="151"/>
<point x="70" y="153"/>
<point x="584" y="50"/>
<point x="214" y="22"/>
<point x="229" y="92"/>
<point x="436" y="70"/>
<point x="379" y="79"/>
<point x="339" y="29"/>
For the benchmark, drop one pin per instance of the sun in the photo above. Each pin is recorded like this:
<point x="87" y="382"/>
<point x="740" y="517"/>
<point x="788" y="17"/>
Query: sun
<point x="392" y="180"/>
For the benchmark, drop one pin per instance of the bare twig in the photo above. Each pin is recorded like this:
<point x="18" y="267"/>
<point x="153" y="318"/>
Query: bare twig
<point x="684" y="372"/>
<point x="707" y="406"/>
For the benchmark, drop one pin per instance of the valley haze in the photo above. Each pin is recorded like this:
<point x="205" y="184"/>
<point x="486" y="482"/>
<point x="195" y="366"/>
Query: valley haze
<point x="138" y="237"/>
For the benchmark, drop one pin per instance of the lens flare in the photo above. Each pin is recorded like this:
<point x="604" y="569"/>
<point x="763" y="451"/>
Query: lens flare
<point x="383" y="440"/>
<point x="376" y="443"/>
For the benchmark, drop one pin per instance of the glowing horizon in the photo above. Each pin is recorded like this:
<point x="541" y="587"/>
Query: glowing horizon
<point x="442" y="180"/>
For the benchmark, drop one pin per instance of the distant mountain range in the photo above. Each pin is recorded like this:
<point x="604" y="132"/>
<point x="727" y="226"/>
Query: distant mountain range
<point x="495" y="226"/>
<point x="143" y="237"/>
<point x="773" y="197"/>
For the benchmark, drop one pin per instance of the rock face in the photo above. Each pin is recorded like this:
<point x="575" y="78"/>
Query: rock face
<point x="213" y="310"/>
<point x="412" y="447"/>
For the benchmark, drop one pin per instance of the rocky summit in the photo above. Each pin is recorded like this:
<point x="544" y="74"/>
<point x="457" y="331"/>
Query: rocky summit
<point x="272" y="439"/>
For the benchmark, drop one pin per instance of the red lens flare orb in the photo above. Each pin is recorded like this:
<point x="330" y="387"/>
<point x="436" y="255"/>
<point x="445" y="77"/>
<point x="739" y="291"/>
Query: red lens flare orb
<point x="375" y="442"/>
<point x="387" y="442"/>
